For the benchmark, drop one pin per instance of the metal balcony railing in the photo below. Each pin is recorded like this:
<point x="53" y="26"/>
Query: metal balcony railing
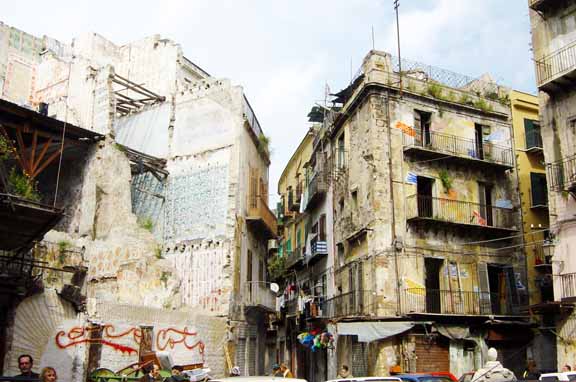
<point x="555" y="65"/>
<point x="568" y="285"/>
<point x="351" y="304"/>
<point x="422" y="300"/>
<point x="317" y="187"/>
<point x="459" y="212"/>
<point x="259" y="294"/>
<point x="295" y="257"/>
<point x="459" y="147"/>
<point x="561" y="175"/>
<point x="534" y="140"/>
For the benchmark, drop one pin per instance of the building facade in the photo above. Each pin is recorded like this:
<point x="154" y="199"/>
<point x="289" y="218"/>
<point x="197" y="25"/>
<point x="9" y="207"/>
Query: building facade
<point x="554" y="45"/>
<point x="427" y="222"/>
<point x="173" y="220"/>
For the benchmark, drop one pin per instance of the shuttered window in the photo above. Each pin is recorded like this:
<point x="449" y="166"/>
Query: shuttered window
<point x="533" y="134"/>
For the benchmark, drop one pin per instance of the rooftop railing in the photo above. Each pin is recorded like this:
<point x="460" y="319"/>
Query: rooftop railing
<point x="561" y="175"/>
<point x="459" y="212"/>
<point x="460" y="147"/>
<point x="251" y="118"/>
<point x="556" y="64"/>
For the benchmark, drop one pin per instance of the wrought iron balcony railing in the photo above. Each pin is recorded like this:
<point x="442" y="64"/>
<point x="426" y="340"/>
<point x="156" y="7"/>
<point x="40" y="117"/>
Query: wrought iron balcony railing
<point x="318" y="250"/>
<point x="556" y="65"/>
<point x="294" y="258"/>
<point x="568" y="286"/>
<point x="459" y="212"/>
<point x="561" y="175"/>
<point x="250" y="117"/>
<point x="259" y="294"/>
<point x="534" y="140"/>
<point x="351" y="304"/>
<point x="460" y="147"/>
<point x="317" y="187"/>
<point x="448" y="302"/>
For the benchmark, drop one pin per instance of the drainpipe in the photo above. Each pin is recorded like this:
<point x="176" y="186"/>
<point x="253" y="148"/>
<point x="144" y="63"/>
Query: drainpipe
<point x="391" y="182"/>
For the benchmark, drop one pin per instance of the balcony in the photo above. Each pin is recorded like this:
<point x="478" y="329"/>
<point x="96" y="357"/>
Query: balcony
<point x="534" y="142"/>
<point x="557" y="71"/>
<point x="543" y="6"/>
<point x="295" y="258"/>
<point x="542" y="255"/>
<point x="433" y="145"/>
<point x="568" y="287"/>
<point x="319" y="250"/>
<point x="257" y="294"/>
<point x="352" y="304"/>
<point x="461" y="303"/>
<point x="260" y="218"/>
<point x="561" y="175"/>
<point x="458" y="213"/>
<point x="316" y="189"/>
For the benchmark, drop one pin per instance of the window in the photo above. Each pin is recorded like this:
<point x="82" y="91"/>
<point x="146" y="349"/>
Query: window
<point x="533" y="134"/>
<point x="539" y="190"/>
<point x="341" y="152"/>
<point x="480" y="134"/>
<point x="249" y="267"/>
<point x="322" y="227"/>
<point x="340" y="249"/>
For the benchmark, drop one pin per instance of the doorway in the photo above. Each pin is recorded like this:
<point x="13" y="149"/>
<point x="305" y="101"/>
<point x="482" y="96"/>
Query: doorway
<point x="479" y="139"/>
<point x="424" y="193"/>
<point x="432" y="267"/>
<point x="422" y="123"/>
<point x="485" y="200"/>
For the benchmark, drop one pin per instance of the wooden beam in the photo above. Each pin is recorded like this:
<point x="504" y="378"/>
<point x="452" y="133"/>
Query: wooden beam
<point x="21" y="151"/>
<point x="42" y="153"/>
<point x="46" y="163"/>
<point x="34" y="142"/>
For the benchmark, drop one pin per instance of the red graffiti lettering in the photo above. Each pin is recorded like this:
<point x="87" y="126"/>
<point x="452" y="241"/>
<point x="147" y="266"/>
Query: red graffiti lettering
<point x="171" y="337"/>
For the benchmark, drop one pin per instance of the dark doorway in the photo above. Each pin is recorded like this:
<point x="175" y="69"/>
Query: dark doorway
<point x="432" y="268"/>
<point x="479" y="140"/>
<point x="422" y="123"/>
<point x="425" y="201"/>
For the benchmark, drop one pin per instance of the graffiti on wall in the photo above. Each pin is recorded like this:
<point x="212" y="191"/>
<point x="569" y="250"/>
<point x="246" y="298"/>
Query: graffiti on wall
<point x="166" y="338"/>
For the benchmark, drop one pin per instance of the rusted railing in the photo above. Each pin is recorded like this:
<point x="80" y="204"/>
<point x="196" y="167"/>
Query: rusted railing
<point x="556" y="64"/>
<point x="250" y="117"/>
<point x="460" y="147"/>
<point x="422" y="300"/>
<point x="259" y="294"/>
<point x="460" y="212"/>
<point x="561" y="175"/>
<point x="351" y="304"/>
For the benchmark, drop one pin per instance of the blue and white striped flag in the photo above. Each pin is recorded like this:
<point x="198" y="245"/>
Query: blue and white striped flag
<point x="411" y="178"/>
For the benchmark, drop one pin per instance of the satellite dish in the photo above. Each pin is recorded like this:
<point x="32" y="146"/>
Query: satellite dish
<point x="274" y="287"/>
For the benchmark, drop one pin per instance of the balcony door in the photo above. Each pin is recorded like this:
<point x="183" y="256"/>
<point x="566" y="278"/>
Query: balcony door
<point x="480" y="131"/>
<point x="432" y="267"/>
<point x="422" y="123"/>
<point x="424" y="193"/>
<point x="485" y="200"/>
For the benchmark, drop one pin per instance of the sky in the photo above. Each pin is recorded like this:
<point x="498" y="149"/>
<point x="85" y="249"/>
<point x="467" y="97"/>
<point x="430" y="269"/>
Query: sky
<point x="284" y="52"/>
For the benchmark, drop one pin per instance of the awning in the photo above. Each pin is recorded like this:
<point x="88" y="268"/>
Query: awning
<point x="454" y="332"/>
<point x="371" y="331"/>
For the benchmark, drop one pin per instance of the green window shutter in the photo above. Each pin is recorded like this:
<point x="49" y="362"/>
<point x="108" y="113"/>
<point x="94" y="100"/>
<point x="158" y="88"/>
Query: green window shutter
<point x="298" y="238"/>
<point x="288" y="245"/>
<point x="532" y="132"/>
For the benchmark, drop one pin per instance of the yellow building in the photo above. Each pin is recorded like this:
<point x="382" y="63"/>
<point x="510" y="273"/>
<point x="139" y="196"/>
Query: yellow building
<point x="291" y="190"/>
<point x="533" y="192"/>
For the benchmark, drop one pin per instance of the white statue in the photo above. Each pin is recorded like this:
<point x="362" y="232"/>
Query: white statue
<point x="493" y="370"/>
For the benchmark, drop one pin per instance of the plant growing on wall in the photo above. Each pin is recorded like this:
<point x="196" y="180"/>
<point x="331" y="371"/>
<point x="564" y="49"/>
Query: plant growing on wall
<point x="22" y="185"/>
<point x="482" y="105"/>
<point x="446" y="180"/>
<point x="264" y="145"/>
<point x="63" y="246"/>
<point x="164" y="278"/>
<point x="7" y="150"/>
<point x="277" y="267"/>
<point x="435" y="90"/>
<point x="158" y="252"/>
<point x="146" y="223"/>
